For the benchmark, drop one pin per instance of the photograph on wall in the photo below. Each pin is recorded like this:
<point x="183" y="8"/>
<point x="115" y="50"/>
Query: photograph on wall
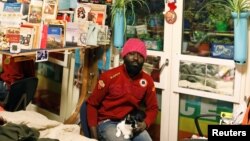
<point x="81" y="12"/>
<point x="50" y="9"/>
<point x="42" y="55"/>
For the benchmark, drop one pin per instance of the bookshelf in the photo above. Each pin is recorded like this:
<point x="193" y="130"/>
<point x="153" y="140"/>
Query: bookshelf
<point x="33" y="51"/>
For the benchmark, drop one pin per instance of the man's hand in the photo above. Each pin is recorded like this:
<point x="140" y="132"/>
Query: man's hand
<point x="93" y="132"/>
<point x="141" y="126"/>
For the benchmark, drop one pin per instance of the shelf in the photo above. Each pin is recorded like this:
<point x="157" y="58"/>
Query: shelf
<point x="228" y="34"/>
<point x="33" y="51"/>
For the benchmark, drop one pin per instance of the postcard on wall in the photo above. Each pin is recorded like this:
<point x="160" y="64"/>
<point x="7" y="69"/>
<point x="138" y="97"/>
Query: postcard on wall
<point x="72" y="34"/>
<point x="65" y="15"/>
<point x="37" y="33"/>
<point x="13" y="34"/>
<point x="12" y="8"/>
<point x="83" y="31"/>
<point x="50" y="8"/>
<point x="26" y="37"/>
<point x="54" y="39"/>
<point x="97" y="14"/>
<point x="58" y="24"/>
<point x="35" y="12"/>
<point x="42" y="55"/>
<point x="81" y="12"/>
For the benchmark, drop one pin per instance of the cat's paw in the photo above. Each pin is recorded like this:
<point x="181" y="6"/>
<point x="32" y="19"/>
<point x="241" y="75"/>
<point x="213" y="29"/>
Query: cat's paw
<point x="126" y="136"/>
<point x="118" y="133"/>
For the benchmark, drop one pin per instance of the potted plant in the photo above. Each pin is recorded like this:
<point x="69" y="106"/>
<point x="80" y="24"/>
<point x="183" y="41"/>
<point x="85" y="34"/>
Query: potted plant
<point x="118" y="14"/>
<point x="240" y="13"/>
<point x="217" y="16"/>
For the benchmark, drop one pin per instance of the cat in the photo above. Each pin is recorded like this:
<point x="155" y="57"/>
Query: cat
<point x="127" y="125"/>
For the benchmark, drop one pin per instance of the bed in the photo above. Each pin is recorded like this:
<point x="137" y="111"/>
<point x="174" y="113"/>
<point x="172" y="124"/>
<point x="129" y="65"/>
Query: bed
<point x="47" y="128"/>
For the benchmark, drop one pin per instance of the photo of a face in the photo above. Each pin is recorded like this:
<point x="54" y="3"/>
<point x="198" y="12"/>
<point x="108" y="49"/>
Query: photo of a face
<point x="81" y="12"/>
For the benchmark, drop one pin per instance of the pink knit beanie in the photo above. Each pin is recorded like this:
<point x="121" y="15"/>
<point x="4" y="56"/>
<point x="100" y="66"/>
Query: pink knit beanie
<point x="134" y="45"/>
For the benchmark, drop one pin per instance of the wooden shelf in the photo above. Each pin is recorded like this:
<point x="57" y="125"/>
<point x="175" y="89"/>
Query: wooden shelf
<point x="228" y="34"/>
<point x="33" y="51"/>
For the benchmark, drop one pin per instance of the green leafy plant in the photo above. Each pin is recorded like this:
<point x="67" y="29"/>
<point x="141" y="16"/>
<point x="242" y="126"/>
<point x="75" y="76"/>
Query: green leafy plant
<point x="237" y="6"/>
<point x="124" y="5"/>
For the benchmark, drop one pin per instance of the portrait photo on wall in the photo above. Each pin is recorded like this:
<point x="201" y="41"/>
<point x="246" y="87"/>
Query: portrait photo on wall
<point x="42" y="55"/>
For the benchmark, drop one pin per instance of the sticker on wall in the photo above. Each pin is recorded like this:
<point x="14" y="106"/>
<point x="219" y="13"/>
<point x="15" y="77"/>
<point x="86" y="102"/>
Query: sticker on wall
<point x="170" y="16"/>
<point x="42" y="55"/>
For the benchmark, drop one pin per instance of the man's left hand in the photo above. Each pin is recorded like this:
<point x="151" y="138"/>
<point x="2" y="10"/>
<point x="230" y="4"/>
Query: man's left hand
<point x="141" y="126"/>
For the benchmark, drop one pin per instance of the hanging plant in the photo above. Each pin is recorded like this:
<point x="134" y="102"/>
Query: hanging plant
<point x="118" y="14"/>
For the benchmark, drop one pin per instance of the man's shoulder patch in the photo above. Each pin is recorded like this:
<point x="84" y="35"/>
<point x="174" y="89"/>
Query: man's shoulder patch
<point x="143" y="82"/>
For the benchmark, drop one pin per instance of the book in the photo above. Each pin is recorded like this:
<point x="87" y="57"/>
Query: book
<point x="53" y="29"/>
<point x="54" y="37"/>
<point x="37" y="33"/>
<point x="13" y="8"/>
<point x="72" y="34"/>
<point x="26" y="37"/>
<point x="43" y="37"/>
<point x="11" y="14"/>
<point x="13" y="34"/>
<point x="50" y="8"/>
<point x="35" y="12"/>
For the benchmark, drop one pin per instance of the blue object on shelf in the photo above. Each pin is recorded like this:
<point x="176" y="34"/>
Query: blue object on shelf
<point x="224" y="51"/>
<point x="240" y="36"/>
<point x="119" y="28"/>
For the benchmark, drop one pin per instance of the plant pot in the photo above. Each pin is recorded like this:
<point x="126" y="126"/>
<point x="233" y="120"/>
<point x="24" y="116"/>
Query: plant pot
<point x="221" y="26"/>
<point x="240" y="37"/>
<point x="204" y="49"/>
<point x="119" y="28"/>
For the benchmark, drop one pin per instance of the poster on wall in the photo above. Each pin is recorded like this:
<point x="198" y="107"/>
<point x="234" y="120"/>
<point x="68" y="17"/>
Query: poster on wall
<point x="192" y="106"/>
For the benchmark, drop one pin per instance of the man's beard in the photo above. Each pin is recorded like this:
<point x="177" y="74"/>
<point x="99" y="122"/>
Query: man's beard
<point x="133" y="67"/>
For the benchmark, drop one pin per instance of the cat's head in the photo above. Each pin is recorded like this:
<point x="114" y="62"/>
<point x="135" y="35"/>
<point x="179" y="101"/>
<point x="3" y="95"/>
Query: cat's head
<point x="134" y="117"/>
<point x="130" y="120"/>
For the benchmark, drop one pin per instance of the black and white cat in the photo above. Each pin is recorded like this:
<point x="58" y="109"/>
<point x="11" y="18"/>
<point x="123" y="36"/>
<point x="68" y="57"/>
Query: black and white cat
<point x="127" y="125"/>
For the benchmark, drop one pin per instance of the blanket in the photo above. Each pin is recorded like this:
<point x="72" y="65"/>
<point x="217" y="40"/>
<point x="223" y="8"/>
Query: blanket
<point x="46" y="127"/>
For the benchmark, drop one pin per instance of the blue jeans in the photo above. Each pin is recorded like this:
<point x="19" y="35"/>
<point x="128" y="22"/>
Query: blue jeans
<point x="107" y="131"/>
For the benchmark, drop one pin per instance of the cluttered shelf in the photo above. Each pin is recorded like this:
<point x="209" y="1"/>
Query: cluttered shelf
<point x="33" y="51"/>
